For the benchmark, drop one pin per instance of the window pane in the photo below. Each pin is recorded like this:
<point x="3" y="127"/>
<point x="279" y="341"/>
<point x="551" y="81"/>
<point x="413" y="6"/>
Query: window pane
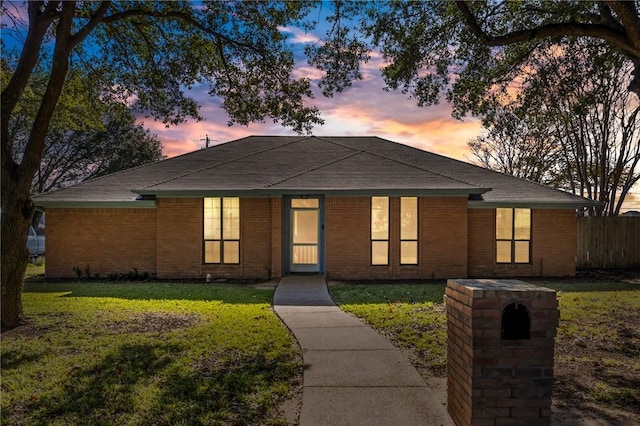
<point x="504" y="224"/>
<point x="231" y="252"/>
<point x="212" y="252"/>
<point x="308" y="203"/>
<point x="212" y="218"/>
<point x="305" y="255"/>
<point x="503" y="251"/>
<point x="409" y="252"/>
<point x="231" y="218"/>
<point x="522" y="252"/>
<point x="522" y="224"/>
<point x="305" y="226"/>
<point x="409" y="218"/>
<point x="379" y="218"/>
<point x="379" y="253"/>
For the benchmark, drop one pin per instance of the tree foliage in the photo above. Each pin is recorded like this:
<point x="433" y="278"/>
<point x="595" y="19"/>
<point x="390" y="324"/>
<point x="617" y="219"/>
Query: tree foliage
<point x="472" y="52"/>
<point x="578" y="130"/>
<point x="75" y="156"/>
<point x="510" y="145"/>
<point x="88" y="137"/>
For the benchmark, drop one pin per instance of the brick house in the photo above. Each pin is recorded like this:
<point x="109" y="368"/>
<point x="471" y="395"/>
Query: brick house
<point x="348" y="207"/>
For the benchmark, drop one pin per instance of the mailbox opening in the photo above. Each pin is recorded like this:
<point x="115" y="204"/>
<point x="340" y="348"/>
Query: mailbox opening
<point x="516" y="322"/>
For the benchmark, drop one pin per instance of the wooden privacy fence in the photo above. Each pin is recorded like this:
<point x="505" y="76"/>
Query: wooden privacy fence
<point x="608" y="242"/>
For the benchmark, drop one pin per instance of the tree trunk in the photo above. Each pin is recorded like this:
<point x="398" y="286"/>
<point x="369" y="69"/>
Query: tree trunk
<point x="17" y="206"/>
<point x="15" y="256"/>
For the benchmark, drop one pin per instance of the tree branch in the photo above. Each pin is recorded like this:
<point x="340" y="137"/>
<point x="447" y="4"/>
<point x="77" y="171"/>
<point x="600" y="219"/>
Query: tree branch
<point x="50" y="12"/>
<point x="35" y="145"/>
<point x="472" y="22"/>
<point x="607" y="18"/>
<point x="628" y="15"/>
<point x="224" y="62"/>
<point x="614" y="37"/>
<point x="82" y="33"/>
<point x="18" y="81"/>
<point x="120" y="16"/>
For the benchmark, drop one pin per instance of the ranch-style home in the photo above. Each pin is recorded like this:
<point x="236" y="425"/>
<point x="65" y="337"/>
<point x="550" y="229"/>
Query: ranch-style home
<point x="347" y="207"/>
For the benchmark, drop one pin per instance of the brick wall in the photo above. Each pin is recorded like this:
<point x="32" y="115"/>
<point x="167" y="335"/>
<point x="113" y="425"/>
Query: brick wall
<point x="459" y="352"/>
<point x="554" y="248"/>
<point x="106" y="241"/>
<point x="180" y="240"/>
<point x="490" y="380"/>
<point x="442" y="245"/>
<point x="179" y="237"/>
<point x="166" y="241"/>
<point x="347" y="238"/>
<point x="443" y="237"/>
<point x="553" y="239"/>
<point x="276" y="237"/>
<point x="481" y="241"/>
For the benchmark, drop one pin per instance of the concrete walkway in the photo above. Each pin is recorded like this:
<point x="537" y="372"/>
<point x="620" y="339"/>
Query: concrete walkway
<point x="352" y="374"/>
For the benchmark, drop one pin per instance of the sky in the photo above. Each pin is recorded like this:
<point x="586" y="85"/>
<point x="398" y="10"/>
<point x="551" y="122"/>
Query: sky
<point x="362" y="109"/>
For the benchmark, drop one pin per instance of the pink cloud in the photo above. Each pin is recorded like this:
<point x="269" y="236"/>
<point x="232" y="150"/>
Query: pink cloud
<point x="300" y="36"/>
<point x="309" y="72"/>
<point x="363" y="109"/>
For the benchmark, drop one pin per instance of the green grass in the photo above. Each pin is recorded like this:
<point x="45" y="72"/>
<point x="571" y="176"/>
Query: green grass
<point x="146" y="353"/>
<point x="597" y="347"/>
<point x="598" y="343"/>
<point x="35" y="269"/>
<point x="595" y="311"/>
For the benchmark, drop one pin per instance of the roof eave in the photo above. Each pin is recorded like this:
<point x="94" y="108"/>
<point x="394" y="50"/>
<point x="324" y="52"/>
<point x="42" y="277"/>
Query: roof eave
<point x="95" y="204"/>
<point x="268" y="192"/>
<point x="564" y="205"/>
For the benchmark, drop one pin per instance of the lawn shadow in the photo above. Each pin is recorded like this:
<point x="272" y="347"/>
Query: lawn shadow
<point x="382" y="292"/>
<point x="420" y="291"/>
<point x="144" y="384"/>
<point x="91" y="394"/>
<point x="226" y="293"/>
<point x="571" y="395"/>
<point x="14" y="359"/>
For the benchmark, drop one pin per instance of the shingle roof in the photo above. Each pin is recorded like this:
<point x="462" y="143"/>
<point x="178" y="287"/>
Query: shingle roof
<point x="271" y="165"/>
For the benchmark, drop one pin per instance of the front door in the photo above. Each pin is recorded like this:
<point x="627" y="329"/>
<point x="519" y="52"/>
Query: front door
<point x="305" y="235"/>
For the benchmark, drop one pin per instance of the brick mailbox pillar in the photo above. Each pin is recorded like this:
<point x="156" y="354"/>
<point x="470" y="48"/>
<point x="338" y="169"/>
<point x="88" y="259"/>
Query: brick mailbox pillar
<point x="500" y="352"/>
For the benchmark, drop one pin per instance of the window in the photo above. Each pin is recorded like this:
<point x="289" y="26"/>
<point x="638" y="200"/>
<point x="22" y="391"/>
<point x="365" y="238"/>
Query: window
<point x="305" y="203"/>
<point x="408" y="230"/>
<point x="222" y="230"/>
<point x="513" y="235"/>
<point x="379" y="230"/>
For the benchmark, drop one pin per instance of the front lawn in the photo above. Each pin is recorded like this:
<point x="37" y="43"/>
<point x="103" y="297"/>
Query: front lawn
<point x="146" y="353"/>
<point x="597" y="348"/>
<point x="598" y="345"/>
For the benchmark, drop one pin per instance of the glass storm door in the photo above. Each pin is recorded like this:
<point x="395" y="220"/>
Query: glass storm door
<point x="305" y="235"/>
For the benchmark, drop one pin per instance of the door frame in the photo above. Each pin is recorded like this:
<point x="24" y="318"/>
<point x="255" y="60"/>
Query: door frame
<point x="287" y="246"/>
